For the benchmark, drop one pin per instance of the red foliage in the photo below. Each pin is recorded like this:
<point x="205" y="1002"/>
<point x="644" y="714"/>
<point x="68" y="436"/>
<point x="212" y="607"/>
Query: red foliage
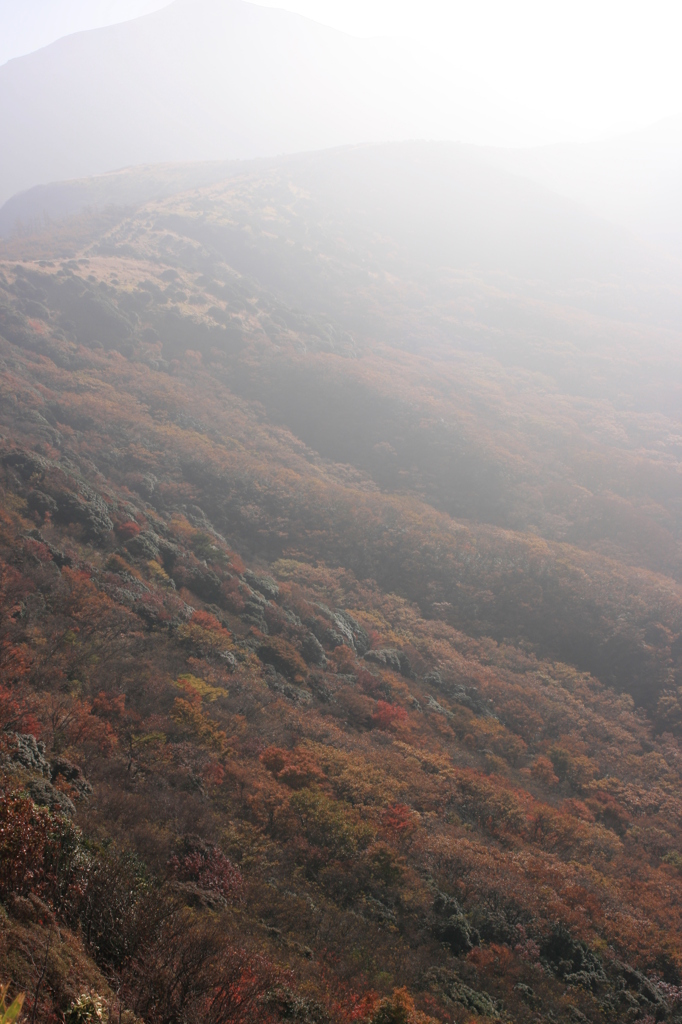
<point x="206" y="621"/>
<point x="606" y="809"/>
<point x="38" y="550"/>
<point x="209" y="868"/>
<point x="479" y="818"/>
<point x="108" y="707"/>
<point x="277" y="651"/>
<point x="213" y="774"/>
<point x="236" y="562"/>
<point x="127" y="530"/>
<point x="38" y="852"/>
<point x="496" y="958"/>
<point x="399" y="819"/>
<point x="77" y="723"/>
<point x="274" y="759"/>
<point x="543" y="771"/>
<point x="349" y="1005"/>
<point x="232" y="596"/>
<point x="388" y="715"/>
<point x="372" y="685"/>
<point x="191" y="972"/>
<point x="294" y="769"/>
<point x="16" y="712"/>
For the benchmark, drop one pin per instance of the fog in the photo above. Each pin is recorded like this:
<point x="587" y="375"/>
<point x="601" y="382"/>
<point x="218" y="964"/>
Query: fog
<point x="340" y="511"/>
<point x="560" y="72"/>
<point x="224" y="79"/>
<point x="36" y="23"/>
<point x="603" y="67"/>
<point x="577" y="70"/>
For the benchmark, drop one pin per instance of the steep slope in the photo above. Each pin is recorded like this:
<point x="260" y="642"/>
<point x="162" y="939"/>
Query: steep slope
<point x="293" y="789"/>
<point x="340" y="579"/>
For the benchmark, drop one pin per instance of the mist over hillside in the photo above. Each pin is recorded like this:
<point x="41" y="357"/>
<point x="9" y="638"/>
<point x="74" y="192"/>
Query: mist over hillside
<point x="416" y="203"/>
<point x="30" y="211"/>
<point x="340" y="549"/>
<point x="632" y="180"/>
<point x="216" y="81"/>
<point x="213" y="80"/>
<point x="36" y="23"/>
<point x="340" y="542"/>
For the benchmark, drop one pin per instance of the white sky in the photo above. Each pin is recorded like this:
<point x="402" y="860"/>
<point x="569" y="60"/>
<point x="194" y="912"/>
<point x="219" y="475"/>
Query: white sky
<point x="27" y="25"/>
<point x="573" y="69"/>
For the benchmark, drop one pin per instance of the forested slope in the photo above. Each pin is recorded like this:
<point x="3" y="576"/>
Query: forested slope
<point x="341" y="624"/>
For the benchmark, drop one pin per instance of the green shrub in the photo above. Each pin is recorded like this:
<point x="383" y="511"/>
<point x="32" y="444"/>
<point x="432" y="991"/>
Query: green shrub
<point x="10" y="1013"/>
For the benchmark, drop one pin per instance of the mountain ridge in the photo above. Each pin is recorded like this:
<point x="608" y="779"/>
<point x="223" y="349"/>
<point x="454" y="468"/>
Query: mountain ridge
<point x="251" y="98"/>
<point x="364" y="165"/>
<point x="214" y="81"/>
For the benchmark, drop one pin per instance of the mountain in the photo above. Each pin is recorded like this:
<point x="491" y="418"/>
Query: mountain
<point x="215" y="80"/>
<point x="440" y="204"/>
<point x="37" y="23"/>
<point x="341" y="581"/>
<point x="34" y="208"/>
<point x="219" y="80"/>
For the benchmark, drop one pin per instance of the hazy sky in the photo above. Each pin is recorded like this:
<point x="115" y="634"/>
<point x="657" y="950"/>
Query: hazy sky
<point x="575" y="68"/>
<point x="27" y="25"/>
<point x="594" y="65"/>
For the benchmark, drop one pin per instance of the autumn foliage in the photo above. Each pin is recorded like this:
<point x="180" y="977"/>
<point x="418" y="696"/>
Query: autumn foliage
<point x="325" y="696"/>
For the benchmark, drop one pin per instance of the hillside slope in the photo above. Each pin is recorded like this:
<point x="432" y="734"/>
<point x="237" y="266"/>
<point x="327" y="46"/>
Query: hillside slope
<point x="34" y="208"/>
<point x="340" y="578"/>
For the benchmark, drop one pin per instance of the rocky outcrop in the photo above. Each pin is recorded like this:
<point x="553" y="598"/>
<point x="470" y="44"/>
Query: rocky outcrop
<point x="25" y="751"/>
<point x="339" y="628"/>
<point x="71" y="773"/>
<point x="391" y="658"/>
<point x="38" y="501"/>
<point x="45" y="794"/>
<point x="144" y="545"/>
<point x="468" y="696"/>
<point x="265" y="585"/>
<point x="202" y="581"/>
<point x="90" y="512"/>
<point x="254" y="610"/>
<point x="312" y="650"/>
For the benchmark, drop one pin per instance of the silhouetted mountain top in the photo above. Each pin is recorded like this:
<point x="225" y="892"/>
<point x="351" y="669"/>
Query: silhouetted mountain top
<point x="210" y="80"/>
<point x="215" y="81"/>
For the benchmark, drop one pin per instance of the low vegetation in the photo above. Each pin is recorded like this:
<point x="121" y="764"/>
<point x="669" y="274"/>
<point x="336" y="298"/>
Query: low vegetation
<point x="324" y="696"/>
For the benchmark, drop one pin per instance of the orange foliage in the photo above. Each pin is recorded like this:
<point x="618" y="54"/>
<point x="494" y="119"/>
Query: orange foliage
<point x="388" y="716"/>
